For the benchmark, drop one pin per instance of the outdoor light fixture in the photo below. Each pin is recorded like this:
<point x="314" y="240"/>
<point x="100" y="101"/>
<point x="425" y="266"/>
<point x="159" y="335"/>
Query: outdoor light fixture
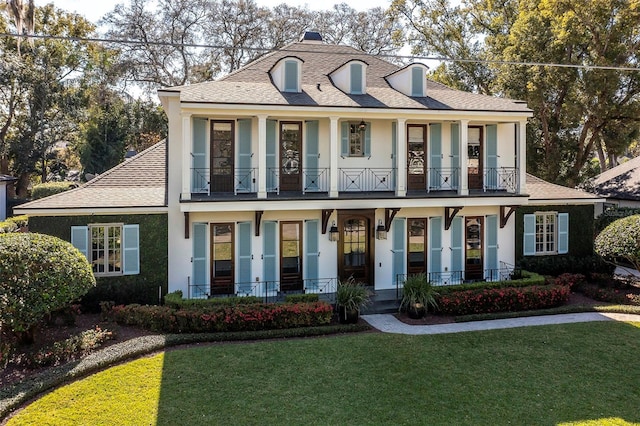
<point x="333" y="232"/>
<point x="362" y="126"/>
<point x="381" y="231"/>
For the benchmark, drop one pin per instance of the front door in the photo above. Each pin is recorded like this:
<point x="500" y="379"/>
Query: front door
<point x="417" y="250"/>
<point x="222" y="156"/>
<point x="291" y="256"/>
<point x="355" y="246"/>
<point x="416" y="148"/>
<point x="474" y="159"/>
<point x="290" y="156"/>
<point x="473" y="248"/>
<point x="222" y="270"/>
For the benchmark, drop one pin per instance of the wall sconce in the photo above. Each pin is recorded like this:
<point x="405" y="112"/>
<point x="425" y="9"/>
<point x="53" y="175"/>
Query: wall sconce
<point x="362" y="126"/>
<point x="334" y="235"/>
<point x="381" y="231"/>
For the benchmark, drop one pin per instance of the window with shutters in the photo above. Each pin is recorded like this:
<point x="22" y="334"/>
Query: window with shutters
<point x="356" y="139"/>
<point x="105" y="253"/>
<point x="546" y="233"/>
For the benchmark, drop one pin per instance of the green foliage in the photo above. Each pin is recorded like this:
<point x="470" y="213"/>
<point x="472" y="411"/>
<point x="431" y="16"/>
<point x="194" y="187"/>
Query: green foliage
<point x="297" y="298"/>
<point x="557" y="265"/>
<point x="503" y="299"/>
<point x="223" y="318"/>
<point x="621" y="240"/>
<point x="143" y="288"/>
<point x="524" y="279"/>
<point x="39" y="274"/>
<point x="42" y="190"/>
<point x="612" y="214"/>
<point x="13" y="224"/>
<point x="175" y="300"/>
<point x="352" y="295"/>
<point x="417" y="290"/>
<point x="609" y="294"/>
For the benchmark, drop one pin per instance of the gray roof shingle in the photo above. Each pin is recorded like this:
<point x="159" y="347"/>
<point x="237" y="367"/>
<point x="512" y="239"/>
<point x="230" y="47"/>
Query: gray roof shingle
<point x="140" y="181"/>
<point x="540" y="190"/>
<point x="621" y="182"/>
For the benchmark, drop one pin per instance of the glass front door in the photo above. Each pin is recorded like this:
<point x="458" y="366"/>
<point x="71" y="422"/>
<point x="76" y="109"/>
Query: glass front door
<point x="355" y="247"/>
<point x="473" y="248"/>
<point x="417" y="250"/>
<point x="291" y="256"/>
<point x="290" y="156"/>
<point x="222" y="270"/>
<point x="222" y="156"/>
<point x="416" y="147"/>
<point x="474" y="158"/>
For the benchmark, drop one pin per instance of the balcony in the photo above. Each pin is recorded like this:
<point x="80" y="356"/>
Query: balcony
<point x="501" y="179"/>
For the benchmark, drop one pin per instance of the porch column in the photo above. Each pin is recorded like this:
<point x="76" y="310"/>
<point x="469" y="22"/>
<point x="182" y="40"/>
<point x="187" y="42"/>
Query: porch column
<point x="262" y="156"/>
<point x="401" y="157"/>
<point x="187" y="142"/>
<point x="334" y="153"/>
<point x="464" y="176"/>
<point x="521" y="155"/>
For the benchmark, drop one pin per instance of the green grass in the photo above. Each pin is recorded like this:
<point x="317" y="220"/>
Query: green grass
<point x="565" y="374"/>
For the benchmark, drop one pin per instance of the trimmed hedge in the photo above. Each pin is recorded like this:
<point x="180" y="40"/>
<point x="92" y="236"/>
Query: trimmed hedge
<point x="527" y="279"/>
<point x="175" y="300"/>
<point x="556" y="265"/>
<point x="297" y="298"/>
<point x="258" y="316"/>
<point x="42" y="190"/>
<point x="609" y="294"/>
<point x="507" y="299"/>
<point x="13" y="224"/>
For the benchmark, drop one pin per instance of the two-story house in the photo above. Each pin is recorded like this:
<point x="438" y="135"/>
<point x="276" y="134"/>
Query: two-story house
<point x="318" y="162"/>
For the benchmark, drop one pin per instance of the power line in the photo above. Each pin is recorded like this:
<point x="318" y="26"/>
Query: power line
<point x="268" y="50"/>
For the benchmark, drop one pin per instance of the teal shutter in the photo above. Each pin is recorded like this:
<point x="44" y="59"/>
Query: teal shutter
<point x="243" y="175"/>
<point x="435" y="241"/>
<point x="398" y="251"/>
<point x="269" y="255"/>
<point x="492" y="157"/>
<point x="394" y="153"/>
<point x="356" y="79"/>
<point x="312" y="254"/>
<point x="80" y="239"/>
<point x="130" y="249"/>
<point x="199" y="169"/>
<point x="367" y="140"/>
<point x="290" y="76"/>
<point x="271" y="149"/>
<point x="563" y="233"/>
<point x="492" y="248"/>
<point x="199" y="260"/>
<point x="244" y="258"/>
<point x="310" y="168"/>
<point x="529" y="243"/>
<point x="435" y="148"/>
<point x="417" y="81"/>
<point x="344" y="138"/>
<point x="457" y="253"/>
<point x="455" y="156"/>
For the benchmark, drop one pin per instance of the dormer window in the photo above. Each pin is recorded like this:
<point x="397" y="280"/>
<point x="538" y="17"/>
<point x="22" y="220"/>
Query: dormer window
<point x="351" y="77"/>
<point x="286" y="75"/>
<point x="417" y="81"/>
<point x="410" y="80"/>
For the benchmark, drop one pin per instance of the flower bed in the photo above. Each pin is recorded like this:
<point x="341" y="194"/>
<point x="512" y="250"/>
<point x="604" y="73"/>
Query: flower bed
<point x="508" y="299"/>
<point x="224" y="318"/>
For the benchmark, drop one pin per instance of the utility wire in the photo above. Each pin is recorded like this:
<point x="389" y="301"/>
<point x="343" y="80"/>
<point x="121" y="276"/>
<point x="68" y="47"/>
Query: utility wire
<point x="297" y="50"/>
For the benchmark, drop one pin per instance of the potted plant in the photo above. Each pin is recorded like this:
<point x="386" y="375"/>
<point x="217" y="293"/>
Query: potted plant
<point x="417" y="296"/>
<point x="350" y="297"/>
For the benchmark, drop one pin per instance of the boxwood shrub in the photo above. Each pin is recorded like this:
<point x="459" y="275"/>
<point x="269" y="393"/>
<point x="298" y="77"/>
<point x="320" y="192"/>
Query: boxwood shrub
<point x="42" y="190"/>
<point x="14" y="224"/>
<point x="175" y="300"/>
<point x="296" y="298"/>
<point x="523" y="279"/>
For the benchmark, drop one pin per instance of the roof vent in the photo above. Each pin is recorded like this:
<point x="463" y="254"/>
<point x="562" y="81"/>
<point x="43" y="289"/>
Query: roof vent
<point x="311" y="37"/>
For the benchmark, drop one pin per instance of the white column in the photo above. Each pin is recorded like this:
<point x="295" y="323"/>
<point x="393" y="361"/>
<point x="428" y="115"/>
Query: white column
<point x="401" y="158"/>
<point x="521" y="154"/>
<point x="262" y="156"/>
<point x="464" y="153"/>
<point x="334" y="153"/>
<point x="187" y="142"/>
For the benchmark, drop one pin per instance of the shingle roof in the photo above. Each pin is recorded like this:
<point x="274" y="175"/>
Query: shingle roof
<point x="252" y="85"/>
<point x="621" y="182"/>
<point x="541" y="190"/>
<point x="140" y="181"/>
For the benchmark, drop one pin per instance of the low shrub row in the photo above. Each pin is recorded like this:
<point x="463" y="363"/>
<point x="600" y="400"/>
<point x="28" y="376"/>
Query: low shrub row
<point x="175" y="300"/>
<point x="223" y="318"/>
<point x="507" y="299"/>
<point x="522" y="279"/>
<point x="609" y="294"/>
<point x="297" y="298"/>
<point x="557" y="265"/>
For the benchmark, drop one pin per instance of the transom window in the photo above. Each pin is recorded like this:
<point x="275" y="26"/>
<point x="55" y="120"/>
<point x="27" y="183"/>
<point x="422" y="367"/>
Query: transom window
<point x="546" y="232"/>
<point x="106" y="249"/>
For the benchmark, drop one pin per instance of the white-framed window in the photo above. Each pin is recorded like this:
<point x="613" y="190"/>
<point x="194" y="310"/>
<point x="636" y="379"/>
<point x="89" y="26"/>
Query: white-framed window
<point x="356" y="139"/>
<point x="546" y="233"/>
<point x="110" y="248"/>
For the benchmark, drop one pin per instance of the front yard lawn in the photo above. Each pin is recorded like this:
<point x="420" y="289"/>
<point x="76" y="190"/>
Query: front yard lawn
<point x="565" y="374"/>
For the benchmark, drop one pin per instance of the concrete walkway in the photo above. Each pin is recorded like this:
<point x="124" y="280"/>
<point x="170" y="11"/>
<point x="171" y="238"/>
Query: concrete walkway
<point x="387" y="323"/>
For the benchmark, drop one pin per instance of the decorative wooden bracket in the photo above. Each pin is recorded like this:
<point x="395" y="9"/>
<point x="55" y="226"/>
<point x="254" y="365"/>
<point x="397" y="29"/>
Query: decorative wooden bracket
<point x="449" y="214"/>
<point x="186" y="225"/>
<point x="504" y="218"/>
<point x="258" y="221"/>
<point x="389" y="214"/>
<point x="326" y="214"/>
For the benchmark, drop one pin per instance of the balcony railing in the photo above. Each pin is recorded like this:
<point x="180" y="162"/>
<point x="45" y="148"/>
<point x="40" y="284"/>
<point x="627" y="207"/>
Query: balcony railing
<point x="443" y="179"/>
<point x="366" y="180"/>
<point x="206" y="181"/>
<point x="313" y="180"/>
<point x="501" y="179"/>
